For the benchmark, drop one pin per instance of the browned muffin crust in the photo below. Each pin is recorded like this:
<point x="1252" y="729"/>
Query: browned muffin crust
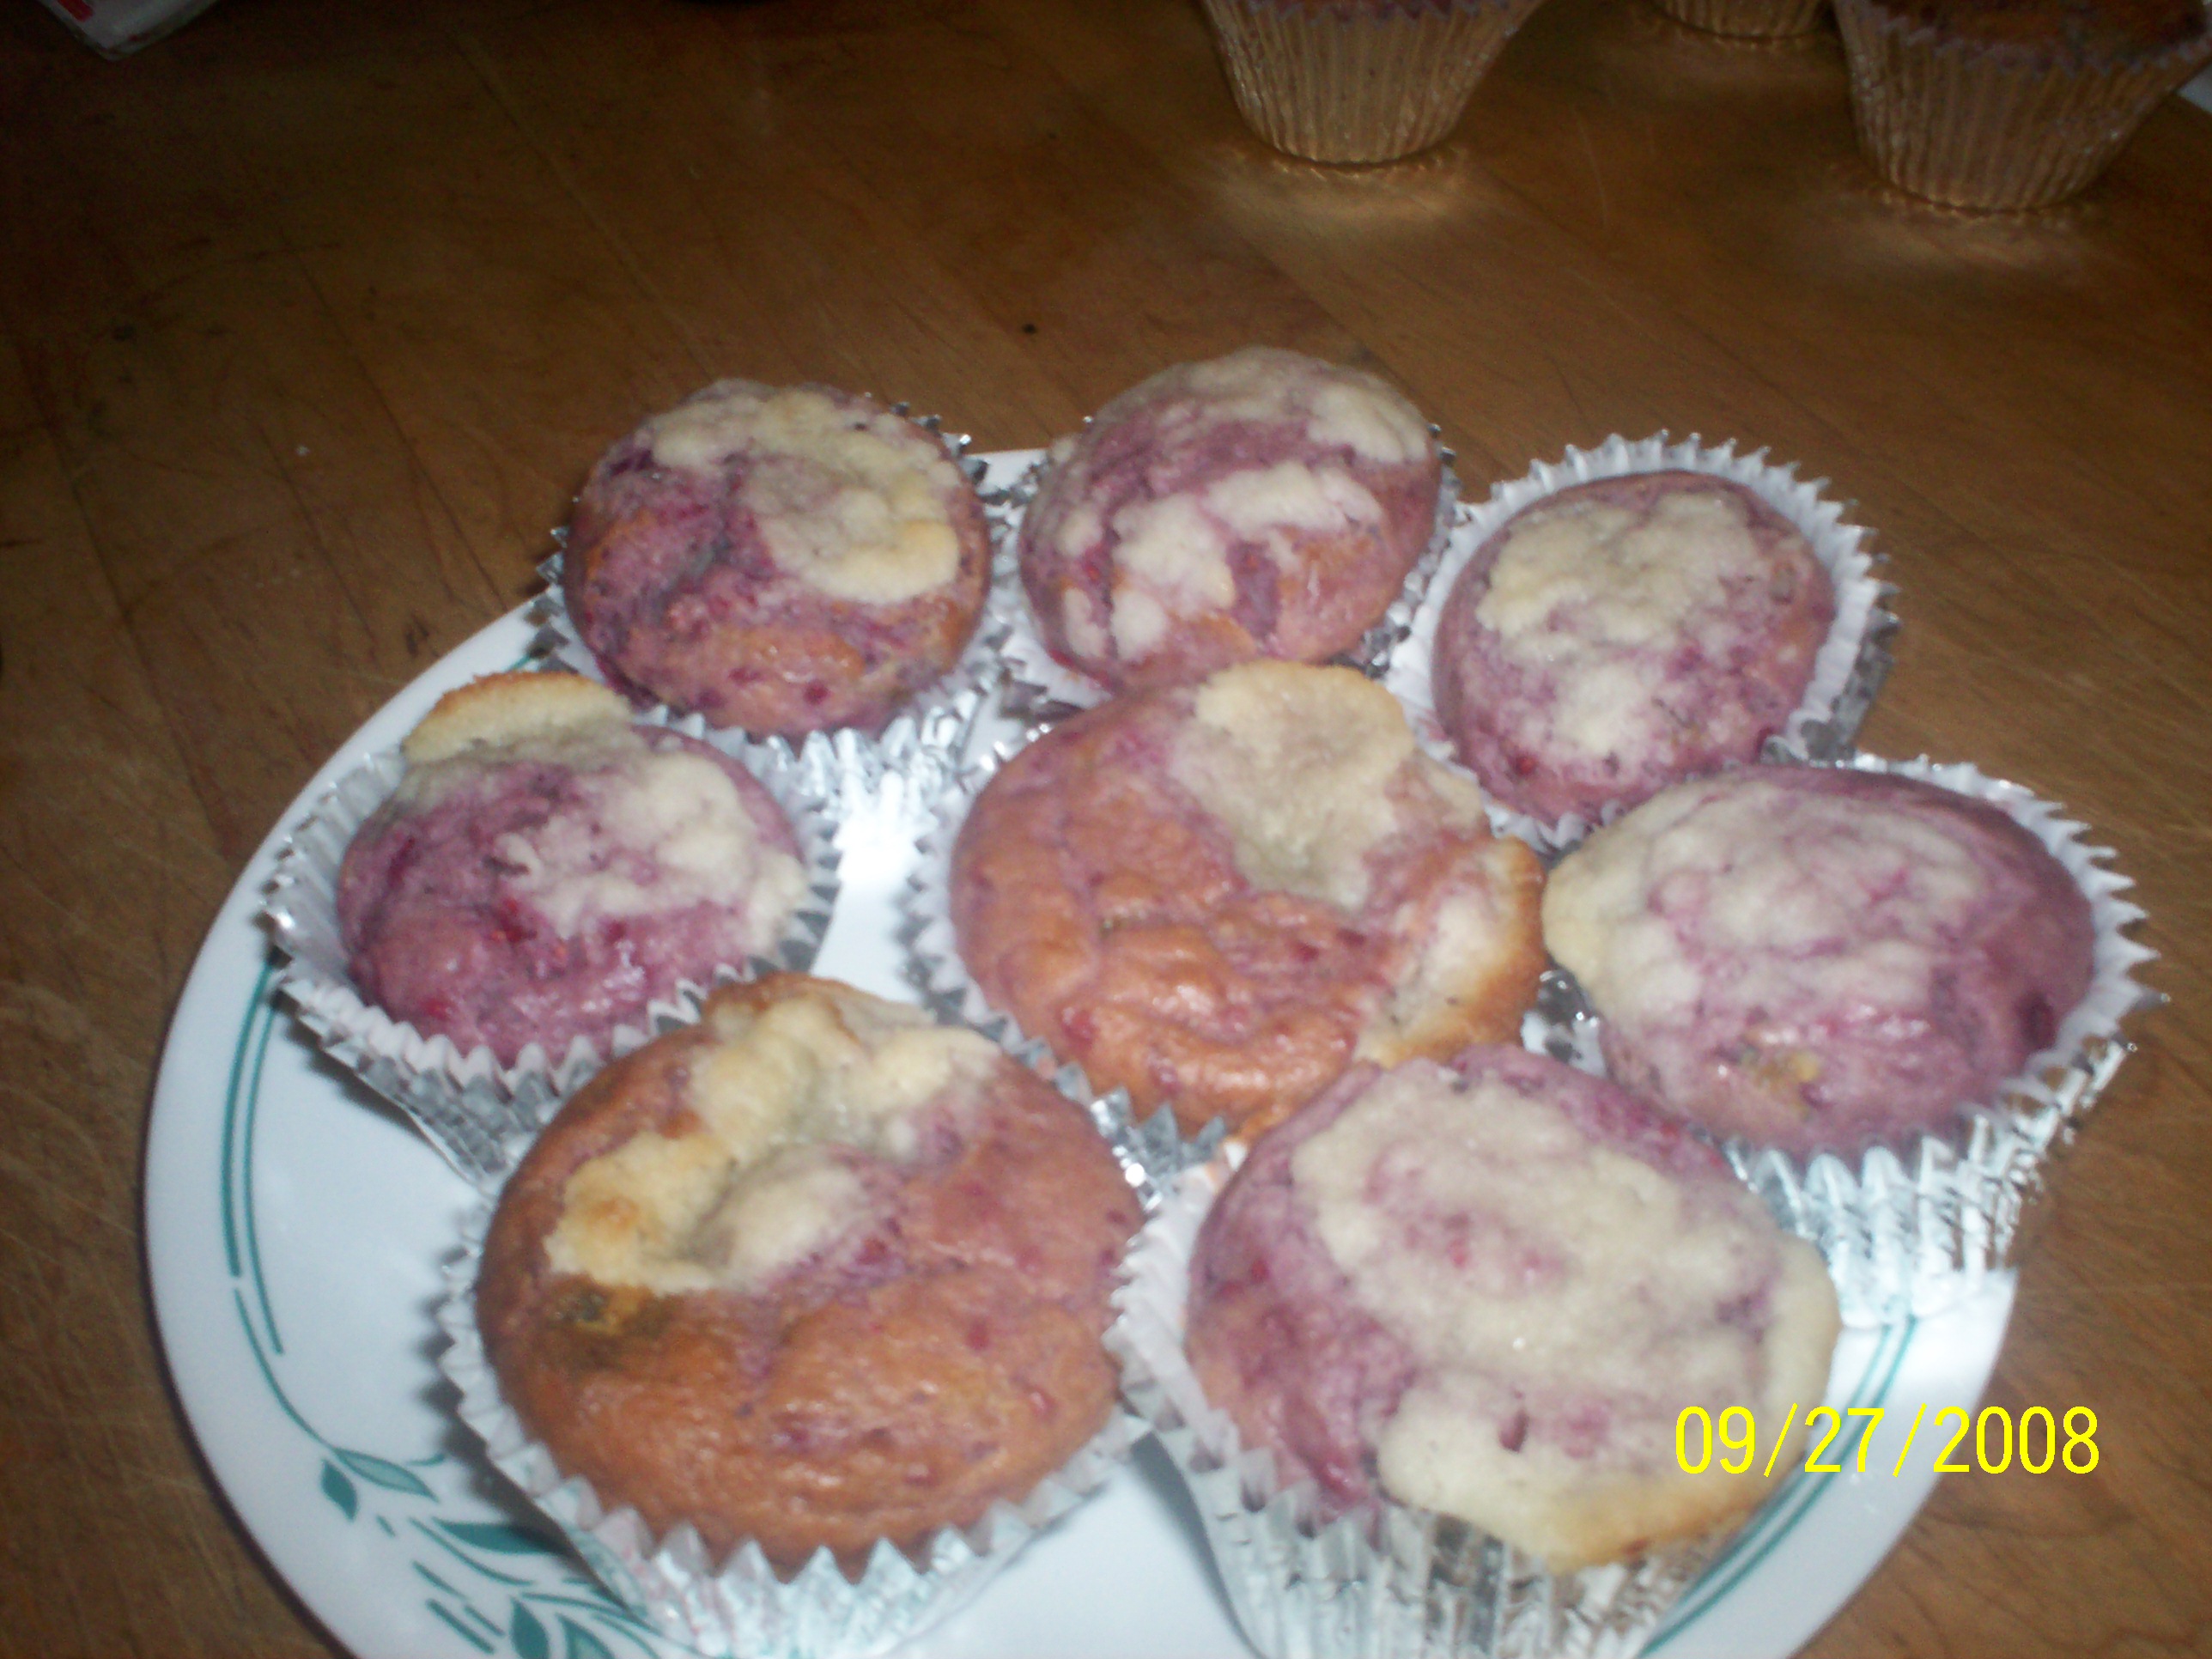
<point x="943" y="1356"/>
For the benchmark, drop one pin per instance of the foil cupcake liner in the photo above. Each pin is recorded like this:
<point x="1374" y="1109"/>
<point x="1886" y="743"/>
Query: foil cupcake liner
<point x="1995" y="127"/>
<point x="1748" y="20"/>
<point x="478" y="1112"/>
<point x="1386" y="1582"/>
<point x="907" y="760"/>
<point x="934" y="963"/>
<point x="1040" y="688"/>
<point x="1848" y="672"/>
<point x="740" y="1605"/>
<point x="1357" y="83"/>
<point x="1912" y="1228"/>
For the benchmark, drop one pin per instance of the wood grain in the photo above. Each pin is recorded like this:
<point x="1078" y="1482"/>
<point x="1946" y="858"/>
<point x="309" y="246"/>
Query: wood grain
<point x="311" y="318"/>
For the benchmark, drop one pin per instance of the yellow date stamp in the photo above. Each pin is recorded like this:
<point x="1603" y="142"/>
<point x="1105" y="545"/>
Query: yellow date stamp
<point x="2040" y="1442"/>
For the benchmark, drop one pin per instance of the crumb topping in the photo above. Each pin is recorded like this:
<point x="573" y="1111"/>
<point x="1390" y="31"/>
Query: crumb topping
<point x="1562" y="1299"/>
<point x="1295" y="763"/>
<point x="792" y="1101"/>
<point x="1602" y="597"/>
<point x="857" y="506"/>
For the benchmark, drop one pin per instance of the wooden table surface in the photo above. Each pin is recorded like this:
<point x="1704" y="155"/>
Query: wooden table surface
<point x="313" y="317"/>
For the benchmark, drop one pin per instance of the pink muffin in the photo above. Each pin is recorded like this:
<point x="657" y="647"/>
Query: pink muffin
<point x="1618" y="637"/>
<point x="1819" y="959"/>
<point x="1220" y="897"/>
<point x="813" y="1272"/>
<point x="1263" y="504"/>
<point x="547" y="869"/>
<point x="783" y="560"/>
<point x="1487" y="1289"/>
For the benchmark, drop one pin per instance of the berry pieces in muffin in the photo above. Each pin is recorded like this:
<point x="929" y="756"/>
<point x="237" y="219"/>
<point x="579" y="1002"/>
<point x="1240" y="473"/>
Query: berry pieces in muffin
<point x="784" y="560"/>
<point x="1817" y="959"/>
<point x="815" y="1272"/>
<point x="1219" y="896"/>
<point x="1488" y="1289"/>
<point x="1263" y="504"/>
<point x="1623" y="634"/>
<point x="548" y="868"/>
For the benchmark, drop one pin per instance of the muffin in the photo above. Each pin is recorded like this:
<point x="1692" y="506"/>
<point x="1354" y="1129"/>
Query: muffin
<point x="1220" y="897"/>
<point x="812" y="1274"/>
<point x="1492" y="1284"/>
<point x="784" y="560"/>
<point x="547" y="868"/>
<point x="1357" y="80"/>
<point x="1620" y="635"/>
<point x="1488" y="1289"/>
<point x="1818" y="959"/>
<point x="1748" y="20"/>
<point x="2011" y="104"/>
<point x="1263" y="504"/>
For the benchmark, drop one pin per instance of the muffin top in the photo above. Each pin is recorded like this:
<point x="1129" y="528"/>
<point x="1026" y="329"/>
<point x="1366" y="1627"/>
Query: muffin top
<point x="1218" y="897"/>
<point x="1622" y="634"/>
<point x="547" y="868"/>
<point x="2078" y="29"/>
<point x="1261" y="504"/>
<point x="1819" y="958"/>
<point x="781" y="558"/>
<point x="814" y="1273"/>
<point x="1489" y="1289"/>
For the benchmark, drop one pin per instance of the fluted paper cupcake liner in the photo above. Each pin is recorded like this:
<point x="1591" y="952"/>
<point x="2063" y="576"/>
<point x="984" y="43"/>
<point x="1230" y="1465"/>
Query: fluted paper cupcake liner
<point x="1997" y="127"/>
<point x="1384" y="1582"/>
<point x="1748" y="20"/>
<point x="476" y="1111"/>
<point x="1358" y="82"/>
<point x="1909" y="1229"/>
<point x="740" y="1605"/>
<point x="899" y="768"/>
<point x="1853" y="663"/>
<point x="1041" y="689"/>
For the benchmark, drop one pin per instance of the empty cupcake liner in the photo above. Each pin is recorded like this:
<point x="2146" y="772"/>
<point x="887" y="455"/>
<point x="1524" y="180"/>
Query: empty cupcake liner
<point x="1748" y="20"/>
<point x="1385" y="1582"/>
<point x="1041" y="689"/>
<point x="740" y="1605"/>
<point x="476" y="1112"/>
<point x="1849" y="671"/>
<point x="917" y="749"/>
<point x="1995" y="127"/>
<point x="1910" y="1229"/>
<point x="1357" y="83"/>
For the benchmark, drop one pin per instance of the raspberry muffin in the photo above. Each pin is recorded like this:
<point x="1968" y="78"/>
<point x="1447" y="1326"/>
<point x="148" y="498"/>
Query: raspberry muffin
<point x="547" y="868"/>
<point x="1488" y="1289"/>
<point x="785" y="560"/>
<point x="1220" y="897"/>
<point x="1817" y="959"/>
<point x="1263" y="504"/>
<point x="1622" y="634"/>
<point x="814" y="1273"/>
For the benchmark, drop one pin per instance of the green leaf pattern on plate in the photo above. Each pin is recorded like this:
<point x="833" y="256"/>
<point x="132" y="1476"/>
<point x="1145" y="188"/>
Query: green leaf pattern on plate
<point x="529" y="1582"/>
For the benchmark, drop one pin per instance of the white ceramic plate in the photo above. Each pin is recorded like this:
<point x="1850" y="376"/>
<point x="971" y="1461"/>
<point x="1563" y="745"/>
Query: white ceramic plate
<point x="295" y="1229"/>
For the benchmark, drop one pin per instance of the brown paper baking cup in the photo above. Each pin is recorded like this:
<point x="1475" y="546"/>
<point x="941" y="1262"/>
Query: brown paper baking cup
<point x="1750" y="19"/>
<point x="1357" y="83"/>
<point x="1912" y="1228"/>
<point x="476" y="1112"/>
<point x="1383" y="1581"/>
<point x="1993" y="127"/>
<point x="740" y="1605"/>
